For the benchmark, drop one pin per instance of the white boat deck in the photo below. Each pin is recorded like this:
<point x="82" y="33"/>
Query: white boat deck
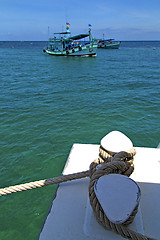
<point x="71" y="217"/>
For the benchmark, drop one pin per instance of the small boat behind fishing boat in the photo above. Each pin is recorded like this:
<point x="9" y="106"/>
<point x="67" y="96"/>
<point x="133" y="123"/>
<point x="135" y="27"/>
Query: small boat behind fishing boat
<point x="67" y="45"/>
<point x="109" y="44"/>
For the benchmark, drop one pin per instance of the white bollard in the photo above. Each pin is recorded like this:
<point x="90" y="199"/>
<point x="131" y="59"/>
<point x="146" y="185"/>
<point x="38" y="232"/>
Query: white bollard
<point x="116" y="141"/>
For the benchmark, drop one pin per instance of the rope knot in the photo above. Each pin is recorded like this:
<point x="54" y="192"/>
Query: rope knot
<point x="107" y="163"/>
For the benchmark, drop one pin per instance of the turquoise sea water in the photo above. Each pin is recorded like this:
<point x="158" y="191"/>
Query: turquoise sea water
<point x="48" y="103"/>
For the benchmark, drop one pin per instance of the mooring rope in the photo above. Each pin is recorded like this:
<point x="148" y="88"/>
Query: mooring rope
<point x="43" y="183"/>
<point x="108" y="162"/>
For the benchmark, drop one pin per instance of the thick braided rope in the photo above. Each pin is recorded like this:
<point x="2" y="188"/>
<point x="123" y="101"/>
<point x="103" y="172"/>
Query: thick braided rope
<point x="116" y="164"/>
<point x="105" y="155"/>
<point x="42" y="183"/>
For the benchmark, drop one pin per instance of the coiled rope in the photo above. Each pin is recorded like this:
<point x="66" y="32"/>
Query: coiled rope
<point x="108" y="162"/>
<point x="120" y="163"/>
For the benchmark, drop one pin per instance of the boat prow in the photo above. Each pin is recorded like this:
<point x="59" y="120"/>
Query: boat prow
<point x="71" y="215"/>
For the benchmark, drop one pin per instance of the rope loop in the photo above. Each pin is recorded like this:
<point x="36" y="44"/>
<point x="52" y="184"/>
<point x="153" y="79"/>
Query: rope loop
<point x="107" y="163"/>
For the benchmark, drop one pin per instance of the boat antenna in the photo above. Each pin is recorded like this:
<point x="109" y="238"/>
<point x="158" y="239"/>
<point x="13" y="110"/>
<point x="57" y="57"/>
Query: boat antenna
<point x="48" y="31"/>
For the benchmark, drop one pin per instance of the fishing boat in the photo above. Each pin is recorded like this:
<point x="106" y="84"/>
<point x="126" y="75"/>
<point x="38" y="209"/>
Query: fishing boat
<point x="109" y="44"/>
<point x="72" y="214"/>
<point x="63" y="44"/>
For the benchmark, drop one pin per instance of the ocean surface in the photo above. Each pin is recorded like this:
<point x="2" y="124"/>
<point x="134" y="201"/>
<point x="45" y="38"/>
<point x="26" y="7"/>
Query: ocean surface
<point x="48" y="103"/>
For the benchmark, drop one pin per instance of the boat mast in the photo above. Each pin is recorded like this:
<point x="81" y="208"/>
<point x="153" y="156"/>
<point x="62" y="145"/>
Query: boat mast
<point x="90" y="36"/>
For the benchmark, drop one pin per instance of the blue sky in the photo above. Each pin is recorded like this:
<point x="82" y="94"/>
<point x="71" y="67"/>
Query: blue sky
<point x="118" y="19"/>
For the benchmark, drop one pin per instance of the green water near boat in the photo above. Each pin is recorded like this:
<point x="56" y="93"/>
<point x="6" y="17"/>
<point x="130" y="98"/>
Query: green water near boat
<point x="49" y="103"/>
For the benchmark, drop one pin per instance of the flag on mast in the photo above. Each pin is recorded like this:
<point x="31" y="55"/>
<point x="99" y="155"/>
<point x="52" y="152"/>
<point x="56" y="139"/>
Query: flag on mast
<point x="67" y="25"/>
